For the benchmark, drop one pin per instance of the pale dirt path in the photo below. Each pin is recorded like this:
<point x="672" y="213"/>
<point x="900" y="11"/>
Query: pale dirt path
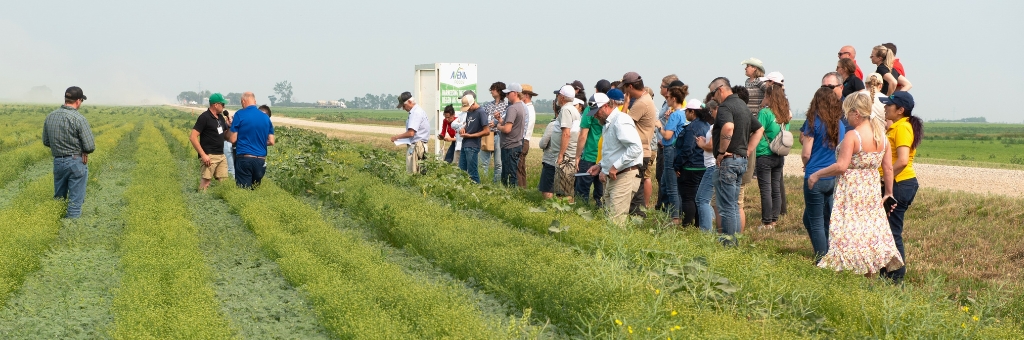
<point x="947" y="177"/>
<point x="958" y="178"/>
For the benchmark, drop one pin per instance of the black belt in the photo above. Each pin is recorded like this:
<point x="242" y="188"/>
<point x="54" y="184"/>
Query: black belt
<point x="65" y="156"/>
<point x="251" y="156"/>
<point x="635" y="167"/>
<point x="734" y="156"/>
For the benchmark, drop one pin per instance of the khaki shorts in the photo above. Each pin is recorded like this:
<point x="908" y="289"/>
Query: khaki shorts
<point x="415" y="153"/>
<point x="649" y="168"/>
<point x="218" y="167"/>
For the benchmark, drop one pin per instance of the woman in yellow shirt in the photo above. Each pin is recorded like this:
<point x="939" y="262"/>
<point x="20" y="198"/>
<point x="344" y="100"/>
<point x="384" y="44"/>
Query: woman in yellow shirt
<point x="905" y="135"/>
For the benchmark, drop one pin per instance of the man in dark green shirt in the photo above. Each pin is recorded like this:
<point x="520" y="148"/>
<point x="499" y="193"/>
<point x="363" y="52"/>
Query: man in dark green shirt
<point x="67" y="134"/>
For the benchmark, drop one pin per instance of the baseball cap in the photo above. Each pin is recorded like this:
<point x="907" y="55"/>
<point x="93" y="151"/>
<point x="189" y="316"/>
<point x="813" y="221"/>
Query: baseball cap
<point x="577" y="101"/>
<point x="467" y="102"/>
<point x="74" y="93"/>
<point x="694" y="104"/>
<point x="603" y="86"/>
<point x="405" y="96"/>
<point x="616" y="95"/>
<point x="899" y="98"/>
<point x="753" y="62"/>
<point x="217" y="98"/>
<point x="528" y="89"/>
<point x="514" y="87"/>
<point x="630" y="77"/>
<point x="567" y="91"/>
<point x="775" y="76"/>
<point x="597" y="101"/>
<point x="676" y="83"/>
<point x="576" y="84"/>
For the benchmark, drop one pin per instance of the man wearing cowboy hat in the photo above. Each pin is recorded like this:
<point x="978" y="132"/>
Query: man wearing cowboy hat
<point x="531" y="119"/>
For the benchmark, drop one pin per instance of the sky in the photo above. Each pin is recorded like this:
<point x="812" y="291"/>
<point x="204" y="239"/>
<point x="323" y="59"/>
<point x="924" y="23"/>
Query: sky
<point x="960" y="56"/>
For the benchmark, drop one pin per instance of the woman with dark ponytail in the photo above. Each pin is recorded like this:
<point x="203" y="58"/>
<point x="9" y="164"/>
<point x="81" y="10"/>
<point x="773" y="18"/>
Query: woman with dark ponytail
<point x="905" y="135"/>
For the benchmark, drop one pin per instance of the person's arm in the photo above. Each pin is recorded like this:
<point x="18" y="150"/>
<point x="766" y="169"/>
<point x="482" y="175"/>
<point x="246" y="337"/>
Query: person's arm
<point x="888" y="78"/>
<point x="902" y="159"/>
<point x="629" y="137"/>
<point x="842" y="160"/>
<point x="667" y="132"/>
<point x="807" y="143"/>
<point x="755" y="139"/>
<point x="545" y="140"/>
<point x="85" y="137"/>
<point x="408" y="134"/>
<point x="270" y="140"/>
<point x="566" y="135"/>
<point x="904" y="83"/>
<point x="194" y="138"/>
<point x="581" y="141"/>
<point x="887" y="173"/>
<point x="685" y="152"/>
<point x="725" y="137"/>
<point x="232" y="134"/>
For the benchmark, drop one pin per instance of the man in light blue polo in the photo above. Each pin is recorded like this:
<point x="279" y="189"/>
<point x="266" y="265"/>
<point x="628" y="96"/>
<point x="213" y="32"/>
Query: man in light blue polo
<point x="251" y="132"/>
<point x="417" y="131"/>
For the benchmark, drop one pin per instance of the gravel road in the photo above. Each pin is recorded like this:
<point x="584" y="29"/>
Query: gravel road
<point x="974" y="180"/>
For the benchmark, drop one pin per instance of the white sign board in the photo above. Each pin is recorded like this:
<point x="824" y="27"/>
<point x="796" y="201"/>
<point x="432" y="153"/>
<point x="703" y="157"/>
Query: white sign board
<point x="439" y="85"/>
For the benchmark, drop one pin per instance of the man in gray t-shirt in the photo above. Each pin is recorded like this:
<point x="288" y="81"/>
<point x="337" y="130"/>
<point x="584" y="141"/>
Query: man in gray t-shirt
<point x="511" y="131"/>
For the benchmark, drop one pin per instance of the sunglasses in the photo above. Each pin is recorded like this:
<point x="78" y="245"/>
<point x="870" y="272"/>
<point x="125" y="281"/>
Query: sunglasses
<point x="841" y="54"/>
<point x="831" y="86"/>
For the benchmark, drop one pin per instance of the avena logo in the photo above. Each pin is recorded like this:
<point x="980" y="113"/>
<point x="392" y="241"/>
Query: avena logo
<point x="459" y="75"/>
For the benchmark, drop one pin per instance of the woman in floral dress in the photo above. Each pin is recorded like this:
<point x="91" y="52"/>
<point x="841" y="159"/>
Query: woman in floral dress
<point x="859" y="236"/>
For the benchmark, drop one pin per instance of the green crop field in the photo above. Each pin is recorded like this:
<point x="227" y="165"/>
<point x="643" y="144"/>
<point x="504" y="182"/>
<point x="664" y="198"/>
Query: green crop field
<point x="339" y="242"/>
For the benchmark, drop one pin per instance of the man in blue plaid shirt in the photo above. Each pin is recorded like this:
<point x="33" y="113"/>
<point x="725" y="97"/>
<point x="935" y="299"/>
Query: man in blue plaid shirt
<point x="67" y="134"/>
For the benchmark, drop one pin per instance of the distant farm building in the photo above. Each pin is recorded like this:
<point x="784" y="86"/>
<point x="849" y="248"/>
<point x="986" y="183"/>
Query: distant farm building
<point x="333" y="104"/>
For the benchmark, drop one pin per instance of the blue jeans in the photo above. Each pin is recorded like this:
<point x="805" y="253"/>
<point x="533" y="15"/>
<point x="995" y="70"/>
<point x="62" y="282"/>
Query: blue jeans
<point x="818" y="213"/>
<point x="485" y="157"/>
<point x="583" y="184"/>
<point x="69" y="178"/>
<point x="467" y="162"/>
<point x="728" y="183"/>
<point x="229" y="155"/>
<point x="510" y="165"/>
<point x="249" y="171"/>
<point x="904" y="192"/>
<point x="449" y="156"/>
<point x="669" y="181"/>
<point x="705" y="214"/>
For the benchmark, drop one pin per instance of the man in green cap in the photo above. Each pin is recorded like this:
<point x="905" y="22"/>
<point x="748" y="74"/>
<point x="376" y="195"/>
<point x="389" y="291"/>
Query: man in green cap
<point x="208" y="139"/>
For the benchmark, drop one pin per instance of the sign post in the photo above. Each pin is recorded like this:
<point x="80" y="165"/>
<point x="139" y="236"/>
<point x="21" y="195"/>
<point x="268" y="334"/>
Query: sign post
<point x="439" y="85"/>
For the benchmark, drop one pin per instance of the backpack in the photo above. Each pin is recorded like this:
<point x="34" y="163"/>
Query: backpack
<point x="782" y="143"/>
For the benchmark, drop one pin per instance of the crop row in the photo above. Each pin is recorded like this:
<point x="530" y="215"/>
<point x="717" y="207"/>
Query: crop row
<point x="165" y="288"/>
<point x="30" y="223"/>
<point x="585" y="294"/>
<point x="356" y="291"/>
<point x="775" y="288"/>
<point x="17" y="159"/>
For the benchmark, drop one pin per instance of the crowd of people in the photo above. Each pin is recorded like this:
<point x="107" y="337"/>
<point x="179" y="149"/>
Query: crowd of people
<point x="609" y="146"/>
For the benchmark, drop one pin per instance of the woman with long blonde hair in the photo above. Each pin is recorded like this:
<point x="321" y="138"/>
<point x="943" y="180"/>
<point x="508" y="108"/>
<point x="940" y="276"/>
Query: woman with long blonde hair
<point x="859" y="236"/>
<point x="883" y="57"/>
<point x="873" y="86"/>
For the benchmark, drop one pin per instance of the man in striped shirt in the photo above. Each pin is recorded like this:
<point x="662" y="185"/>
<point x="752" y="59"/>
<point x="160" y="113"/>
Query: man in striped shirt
<point x="67" y="134"/>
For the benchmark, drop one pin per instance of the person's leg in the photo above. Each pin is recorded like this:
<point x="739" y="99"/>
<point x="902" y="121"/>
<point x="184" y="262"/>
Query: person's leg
<point x="521" y="172"/>
<point x="598" y="191"/>
<point x="763" y="170"/>
<point x="510" y="160"/>
<point x="705" y="190"/>
<point x="659" y="172"/>
<point x="690" y="183"/>
<point x="469" y="159"/>
<point x="620" y="193"/>
<point x="671" y="183"/>
<point x="730" y="177"/>
<point x="814" y="216"/>
<point x="583" y="183"/>
<point x="76" y="187"/>
<point x="497" y="158"/>
<point x="638" y="204"/>
<point x="410" y="158"/>
<point x="904" y="193"/>
<point x="449" y="156"/>
<point x="457" y="158"/>
<point x="259" y="169"/>
<point x="782" y="190"/>
<point x="243" y="172"/>
<point x="229" y="155"/>
<point x="776" y="175"/>
<point x="647" y="182"/>
<point x="547" y="180"/>
<point x="61" y="174"/>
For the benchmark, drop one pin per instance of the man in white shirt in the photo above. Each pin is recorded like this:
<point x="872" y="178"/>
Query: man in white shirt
<point x="621" y="155"/>
<point x="417" y="132"/>
<point x="531" y="120"/>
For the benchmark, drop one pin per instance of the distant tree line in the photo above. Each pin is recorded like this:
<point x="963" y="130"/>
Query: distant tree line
<point x="962" y="120"/>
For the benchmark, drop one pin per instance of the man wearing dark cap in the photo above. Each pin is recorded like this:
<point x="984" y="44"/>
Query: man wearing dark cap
<point x="66" y="132"/>
<point x="207" y="139"/>
<point x="511" y="128"/>
<point x="640" y="107"/>
<point x="417" y="131"/>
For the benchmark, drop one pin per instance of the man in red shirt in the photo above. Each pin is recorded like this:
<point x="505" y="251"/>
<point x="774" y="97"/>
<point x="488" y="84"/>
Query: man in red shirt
<point x="849" y="52"/>
<point x="896" y="64"/>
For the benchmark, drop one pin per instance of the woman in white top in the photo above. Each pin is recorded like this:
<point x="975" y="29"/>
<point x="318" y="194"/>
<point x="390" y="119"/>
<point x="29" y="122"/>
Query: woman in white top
<point x="705" y="214"/>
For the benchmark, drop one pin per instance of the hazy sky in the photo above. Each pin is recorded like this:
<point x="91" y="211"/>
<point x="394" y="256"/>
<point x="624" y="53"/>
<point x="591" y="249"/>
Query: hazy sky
<point x="962" y="57"/>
